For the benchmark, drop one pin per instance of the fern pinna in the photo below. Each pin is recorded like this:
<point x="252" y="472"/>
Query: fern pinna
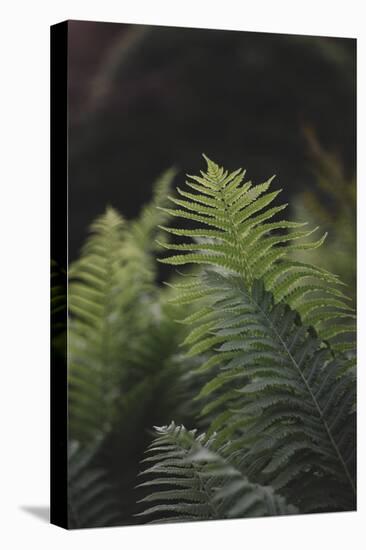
<point x="275" y="337"/>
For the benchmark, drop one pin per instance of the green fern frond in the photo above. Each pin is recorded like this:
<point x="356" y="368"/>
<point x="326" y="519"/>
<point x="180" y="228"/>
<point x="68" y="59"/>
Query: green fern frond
<point x="279" y="392"/>
<point x="96" y="301"/>
<point x="275" y="336"/>
<point x="112" y="296"/>
<point x="91" y="499"/>
<point x="233" y="230"/>
<point x="192" y="482"/>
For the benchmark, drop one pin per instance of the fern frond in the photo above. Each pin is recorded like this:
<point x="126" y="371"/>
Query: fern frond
<point x="237" y="234"/>
<point x="112" y="296"/>
<point x="192" y="482"/>
<point x="91" y="499"/>
<point x="282" y="388"/>
<point x="96" y="301"/>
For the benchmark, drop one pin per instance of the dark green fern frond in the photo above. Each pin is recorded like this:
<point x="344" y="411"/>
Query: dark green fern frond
<point x="112" y="296"/>
<point x="234" y="231"/>
<point x="192" y="482"/>
<point x="91" y="498"/>
<point x="278" y="391"/>
<point x="96" y="301"/>
<point x="95" y="278"/>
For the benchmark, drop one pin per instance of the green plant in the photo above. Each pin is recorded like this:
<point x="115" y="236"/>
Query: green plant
<point x="250" y="350"/>
<point x="92" y="500"/>
<point x="275" y="336"/>
<point x="125" y="369"/>
<point x="332" y="203"/>
<point x="200" y="483"/>
<point x="114" y="306"/>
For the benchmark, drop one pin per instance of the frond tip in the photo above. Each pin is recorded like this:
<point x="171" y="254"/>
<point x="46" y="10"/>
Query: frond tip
<point x="236" y="229"/>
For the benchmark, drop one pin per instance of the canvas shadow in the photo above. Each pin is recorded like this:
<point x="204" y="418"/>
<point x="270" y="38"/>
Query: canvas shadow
<point x="40" y="512"/>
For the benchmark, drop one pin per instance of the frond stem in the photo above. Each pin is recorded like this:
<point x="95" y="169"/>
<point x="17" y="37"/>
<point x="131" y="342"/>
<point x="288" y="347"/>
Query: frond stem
<point x="245" y="269"/>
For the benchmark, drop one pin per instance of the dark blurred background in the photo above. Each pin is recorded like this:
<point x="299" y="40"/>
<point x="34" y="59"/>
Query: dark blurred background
<point x="144" y="98"/>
